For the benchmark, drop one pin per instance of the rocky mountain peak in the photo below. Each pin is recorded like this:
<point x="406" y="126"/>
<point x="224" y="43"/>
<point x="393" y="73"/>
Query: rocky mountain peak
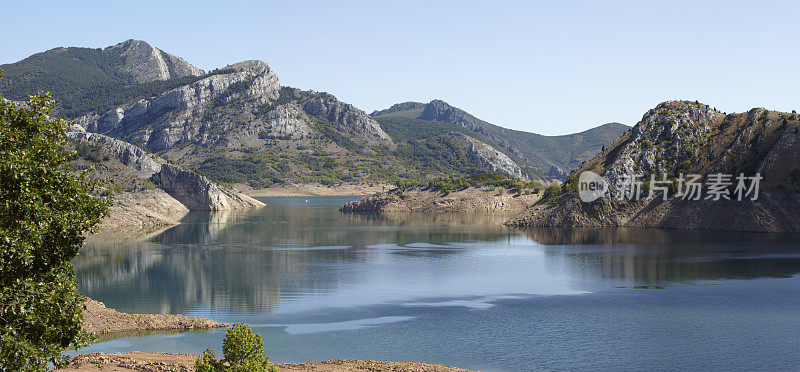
<point x="672" y="133"/>
<point x="252" y="66"/>
<point x="438" y="110"/>
<point x="397" y="107"/>
<point x="146" y="63"/>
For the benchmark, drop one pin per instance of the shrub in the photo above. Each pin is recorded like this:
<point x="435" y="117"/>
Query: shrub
<point x="243" y="350"/>
<point x="551" y="191"/>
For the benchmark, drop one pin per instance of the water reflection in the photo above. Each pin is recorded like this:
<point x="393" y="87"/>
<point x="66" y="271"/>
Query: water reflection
<point x="249" y="261"/>
<point x="653" y="256"/>
<point x="279" y="256"/>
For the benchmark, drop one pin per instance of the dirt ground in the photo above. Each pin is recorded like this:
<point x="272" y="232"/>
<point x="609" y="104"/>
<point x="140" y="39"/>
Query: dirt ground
<point x="170" y="362"/>
<point x="98" y="319"/>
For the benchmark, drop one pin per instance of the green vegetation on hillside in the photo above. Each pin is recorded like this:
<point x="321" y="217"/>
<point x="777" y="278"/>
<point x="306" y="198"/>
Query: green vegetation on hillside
<point x="473" y="180"/>
<point x="45" y="214"/>
<point x="540" y="151"/>
<point x="82" y="80"/>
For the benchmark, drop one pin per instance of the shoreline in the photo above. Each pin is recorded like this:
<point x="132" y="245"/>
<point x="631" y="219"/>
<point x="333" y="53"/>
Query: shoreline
<point x="101" y="320"/>
<point x="314" y="190"/>
<point x="105" y="322"/>
<point x="482" y="199"/>
<point x="174" y="362"/>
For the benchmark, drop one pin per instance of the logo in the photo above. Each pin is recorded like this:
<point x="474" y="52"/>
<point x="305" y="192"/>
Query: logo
<point x="717" y="186"/>
<point x="592" y="186"/>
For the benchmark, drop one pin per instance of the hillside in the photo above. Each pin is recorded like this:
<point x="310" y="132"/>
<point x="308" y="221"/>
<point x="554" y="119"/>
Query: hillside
<point x="681" y="137"/>
<point x="86" y="79"/>
<point x="148" y="193"/>
<point x="542" y="156"/>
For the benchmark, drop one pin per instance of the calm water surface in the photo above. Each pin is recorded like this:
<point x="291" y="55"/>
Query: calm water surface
<point x="458" y="289"/>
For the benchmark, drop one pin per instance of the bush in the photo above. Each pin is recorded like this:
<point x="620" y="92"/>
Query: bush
<point x="551" y="192"/>
<point x="243" y="350"/>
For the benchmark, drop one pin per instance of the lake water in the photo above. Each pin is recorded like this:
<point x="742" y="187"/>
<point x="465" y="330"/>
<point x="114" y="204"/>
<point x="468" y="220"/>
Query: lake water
<point x="458" y="289"/>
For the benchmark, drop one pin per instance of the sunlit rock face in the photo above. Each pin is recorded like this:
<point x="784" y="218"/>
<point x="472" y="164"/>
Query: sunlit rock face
<point x="683" y="137"/>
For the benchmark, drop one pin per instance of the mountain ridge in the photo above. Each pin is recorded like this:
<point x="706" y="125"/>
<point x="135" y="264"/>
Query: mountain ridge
<point x="553" y="155"/>
<point x="237" y="124"/>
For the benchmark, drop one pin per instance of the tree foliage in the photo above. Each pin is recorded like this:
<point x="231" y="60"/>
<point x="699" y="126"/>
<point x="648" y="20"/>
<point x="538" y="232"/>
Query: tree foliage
<point x="45" y="211"/>
<point x="243" y="350"/>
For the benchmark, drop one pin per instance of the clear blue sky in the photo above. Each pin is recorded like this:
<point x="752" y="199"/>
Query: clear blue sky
<point x="551" y="67"/>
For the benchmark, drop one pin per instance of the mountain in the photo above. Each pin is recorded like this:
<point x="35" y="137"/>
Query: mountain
<point x="86" y="79"/>
<point x="682" y="137"/>
<point x="543" y="156"/>
<point x="238" y="125"/>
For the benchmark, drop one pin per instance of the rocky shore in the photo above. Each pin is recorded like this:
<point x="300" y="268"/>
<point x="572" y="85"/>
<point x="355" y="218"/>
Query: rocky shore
<point x="147" y="210"/>
<point x="172" y="362"/>
<point x="490" y="200"/>
<point x="98" y="319"/>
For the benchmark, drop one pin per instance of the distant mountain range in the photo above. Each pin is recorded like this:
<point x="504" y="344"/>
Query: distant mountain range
<point x="237" y="124"/>
<point x="555" y="155"/>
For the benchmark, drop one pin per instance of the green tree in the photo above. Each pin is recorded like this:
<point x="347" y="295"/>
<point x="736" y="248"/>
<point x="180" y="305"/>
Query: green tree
<point x="243" y="350"/>
<point x="45" y="211"/>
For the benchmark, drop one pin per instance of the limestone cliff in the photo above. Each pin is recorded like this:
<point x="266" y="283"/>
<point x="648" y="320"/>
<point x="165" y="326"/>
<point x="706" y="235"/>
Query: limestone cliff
<point x="192" y="190"/>
<point x="140" y="163"/>
<point x="197" y="192"/>
<point x="146" y="63"/>
<point x="183" y="114"/>
<point x="234" y="106"/>
<point x="488" y="158"/>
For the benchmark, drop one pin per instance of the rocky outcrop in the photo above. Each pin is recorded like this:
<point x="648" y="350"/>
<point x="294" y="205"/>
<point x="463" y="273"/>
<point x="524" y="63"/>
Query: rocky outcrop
<point x="287" y="120"/>
<point x="242" y="104"/>
<point x="142" y="164"/>
<point x="680" y="137"/>
<point x="346" y="118"/>
<point x="146" y="63"/>
<point x="489" y="158"/>
<point x="198" y="193"/>
<point x="144" y="210"/>
<point x="471" y="200"/>
<point x="155" y="208"/>
<point x="180" y="115"/>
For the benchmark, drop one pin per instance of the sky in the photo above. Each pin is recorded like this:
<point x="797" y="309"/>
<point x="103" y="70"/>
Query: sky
<point x="549" y="67"/>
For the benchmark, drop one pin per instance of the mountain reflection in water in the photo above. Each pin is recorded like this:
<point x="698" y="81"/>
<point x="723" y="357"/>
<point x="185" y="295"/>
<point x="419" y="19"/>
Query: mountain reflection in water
<point x="252" y="262"/>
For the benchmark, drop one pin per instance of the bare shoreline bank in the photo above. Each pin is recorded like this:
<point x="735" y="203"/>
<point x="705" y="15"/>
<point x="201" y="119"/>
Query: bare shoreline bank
<point x="174" y="362"/>
<point x="314" y="190"/>
<point x="100" y="320"/>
